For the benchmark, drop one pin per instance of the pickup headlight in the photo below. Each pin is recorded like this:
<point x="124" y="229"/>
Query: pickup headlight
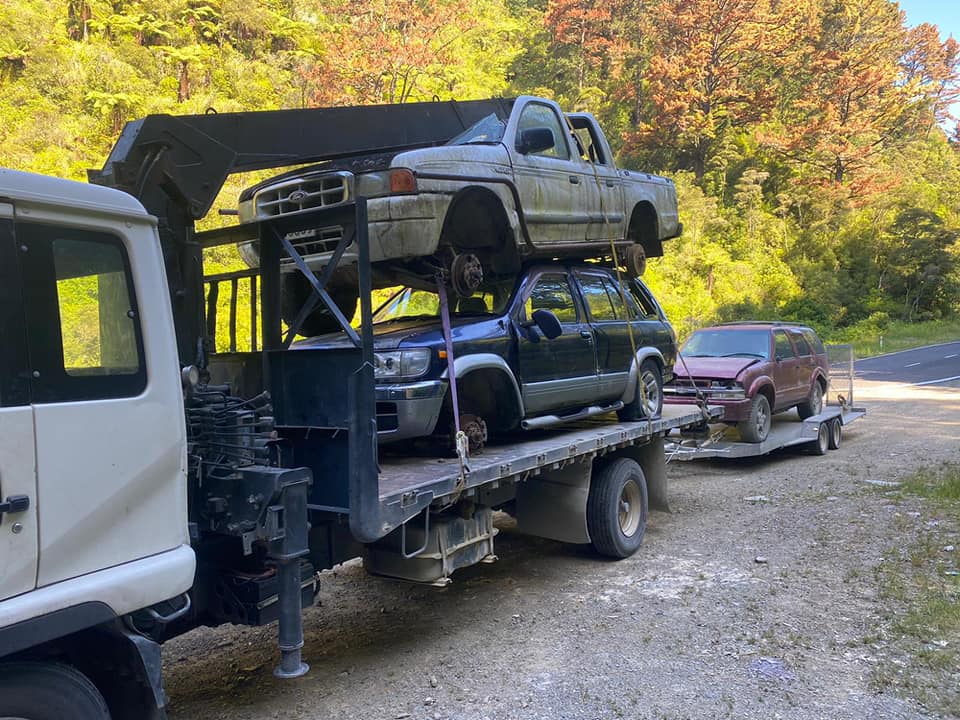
<point x="728" y="390"/>
<point x="401" y="364"/>
<point x="388" y="182"/>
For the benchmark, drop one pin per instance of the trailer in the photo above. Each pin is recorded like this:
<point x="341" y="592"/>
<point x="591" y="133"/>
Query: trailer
<point x="157" y="485"/>
<point x="817" y="433"/>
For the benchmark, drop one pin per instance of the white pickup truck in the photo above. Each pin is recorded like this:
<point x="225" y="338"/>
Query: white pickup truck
<point x="527" y="181"/>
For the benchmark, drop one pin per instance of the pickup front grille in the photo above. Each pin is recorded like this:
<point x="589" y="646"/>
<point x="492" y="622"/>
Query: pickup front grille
<point x="303" y="194"/>
<point x="313" y="242"/>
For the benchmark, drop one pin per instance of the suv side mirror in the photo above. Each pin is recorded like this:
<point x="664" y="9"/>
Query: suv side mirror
<point x="547" y="323"/>
<point x="534" y="140"/>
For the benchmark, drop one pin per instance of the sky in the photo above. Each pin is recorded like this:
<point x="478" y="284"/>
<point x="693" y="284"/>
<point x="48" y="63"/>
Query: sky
<point x="943" y="13"/>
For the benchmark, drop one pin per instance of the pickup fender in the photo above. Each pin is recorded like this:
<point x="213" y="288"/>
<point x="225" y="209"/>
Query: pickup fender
<point x="468" y="363"/>
<point x="643" y="353"/>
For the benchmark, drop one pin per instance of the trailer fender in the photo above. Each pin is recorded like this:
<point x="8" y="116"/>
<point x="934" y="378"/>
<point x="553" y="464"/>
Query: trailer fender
<point x="643" y="353"/>
<point x="553" y="505"/>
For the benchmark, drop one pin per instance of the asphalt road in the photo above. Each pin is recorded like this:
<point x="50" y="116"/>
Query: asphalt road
<point x="930" y="365"/>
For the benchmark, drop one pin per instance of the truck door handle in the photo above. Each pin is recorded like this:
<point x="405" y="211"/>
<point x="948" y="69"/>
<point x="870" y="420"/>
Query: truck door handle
<point x="610" y="183"/>
<point x="574" y="180"/>
<point x="14" y="504"/>
<point x="586" y="334"/>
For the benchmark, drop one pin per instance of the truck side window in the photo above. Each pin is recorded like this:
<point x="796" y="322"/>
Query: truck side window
<point x="552" y="292"/>
<point x="83" y="326"/>
<point x="603" y="302"/>
<point x="648" y="307"/>
<point x="803" y="348"/>
<point x="535" y="115"/>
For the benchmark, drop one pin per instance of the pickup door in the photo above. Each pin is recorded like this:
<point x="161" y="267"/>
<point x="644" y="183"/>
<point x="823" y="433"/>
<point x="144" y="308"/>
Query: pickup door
<point x="553" y="182"/>
<point x="18" y="473"/>
<point x="607" y="212"/>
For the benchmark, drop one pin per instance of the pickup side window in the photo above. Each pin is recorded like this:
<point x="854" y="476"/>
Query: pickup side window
<point x="783" y="347"/>
<point x="14" y="386"/>
<point x="552" y="292"/>
<point x="83" y="328"/>
<point x="591" y="149"/>
<point x="535" y="115"/>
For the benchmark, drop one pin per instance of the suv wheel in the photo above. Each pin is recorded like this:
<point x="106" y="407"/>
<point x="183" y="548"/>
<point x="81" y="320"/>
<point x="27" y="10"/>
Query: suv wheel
<point x="813" y="405"/>
<point x="757" y="425"/>
<point x="649" y="403"/>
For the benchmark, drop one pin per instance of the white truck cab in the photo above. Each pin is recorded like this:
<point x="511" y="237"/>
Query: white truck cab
<point x="92" y="438"/>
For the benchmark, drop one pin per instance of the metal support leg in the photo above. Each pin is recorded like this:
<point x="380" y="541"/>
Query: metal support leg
<point x="291" y="621"/>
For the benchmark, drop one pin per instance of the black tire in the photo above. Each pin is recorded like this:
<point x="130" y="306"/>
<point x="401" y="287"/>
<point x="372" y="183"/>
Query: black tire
<point x="617" y="508"/>
<point x="295" y="290"/>
<point x="652" y="380"/>
<point x="813" y="405"/>
<point x="836" y="434"/>
<point x="756" y="427"/>
<point x="48" y="691"/>
<point x="820" y="445"/>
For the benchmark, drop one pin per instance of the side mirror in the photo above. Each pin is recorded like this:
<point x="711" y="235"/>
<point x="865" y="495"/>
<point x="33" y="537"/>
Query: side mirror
<point x="533" y="140"/>
<point x="547" y="323"/>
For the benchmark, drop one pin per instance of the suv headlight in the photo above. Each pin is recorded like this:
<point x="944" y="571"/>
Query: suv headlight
<point x="401" y="364"/>
<point x="388" y="182"/>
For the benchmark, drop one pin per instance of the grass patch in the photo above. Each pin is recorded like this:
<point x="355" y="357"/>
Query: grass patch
<point x="897" y="335"/>
<point x="940" y="484"/>
<point x="917" y="581"/>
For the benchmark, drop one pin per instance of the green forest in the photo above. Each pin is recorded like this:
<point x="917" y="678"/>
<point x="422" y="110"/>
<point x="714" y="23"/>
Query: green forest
<point x="811" y="142"/>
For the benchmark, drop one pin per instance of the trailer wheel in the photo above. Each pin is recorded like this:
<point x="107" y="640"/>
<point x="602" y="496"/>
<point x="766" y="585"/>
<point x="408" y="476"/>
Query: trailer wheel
<point x="836" y="433"/>
<point x="652" y="382"/>
<point x="617" y="508"/>
<point x="820" y="445"/>
<point x="48" y="691"/>
<point x="757" y="425"/>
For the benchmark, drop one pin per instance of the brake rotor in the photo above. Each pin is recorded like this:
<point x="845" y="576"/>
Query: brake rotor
<point x="475" y="429"/>
<point x="466" y="274"/>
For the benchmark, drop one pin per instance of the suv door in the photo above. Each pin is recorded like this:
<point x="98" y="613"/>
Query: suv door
<point x="806" y="362"/>
<point x="785" y="371"/>
<point x="551" y="182"/>
<point x="18" y="472"/>
<point x="610" y="320"/>
<point x="562" y="372"/>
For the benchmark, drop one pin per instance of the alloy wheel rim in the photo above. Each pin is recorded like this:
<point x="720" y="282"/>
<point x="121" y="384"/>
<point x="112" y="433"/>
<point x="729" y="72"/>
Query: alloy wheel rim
<point x="651" y="390"/>
<point x="631" y="508"/>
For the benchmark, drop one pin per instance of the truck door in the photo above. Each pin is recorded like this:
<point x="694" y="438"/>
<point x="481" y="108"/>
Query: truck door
<point x="110" y="444"/>
<point x="786" y="368"/>
<point x="607" y="218"/>
<point x="551" y="181"/>
<point x="18" y="477"/>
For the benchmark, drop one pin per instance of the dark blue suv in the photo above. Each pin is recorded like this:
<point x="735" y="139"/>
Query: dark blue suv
<point x="548" y="346"/>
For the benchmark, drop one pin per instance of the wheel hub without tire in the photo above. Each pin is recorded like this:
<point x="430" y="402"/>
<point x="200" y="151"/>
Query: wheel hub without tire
<point x="466" y="274"/>
<point x="475" y="429"/>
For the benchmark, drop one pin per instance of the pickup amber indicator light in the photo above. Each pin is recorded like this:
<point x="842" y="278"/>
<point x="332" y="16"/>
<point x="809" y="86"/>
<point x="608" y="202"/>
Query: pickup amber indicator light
<point x="442" y="354"/>
<point x="402" y="181"/>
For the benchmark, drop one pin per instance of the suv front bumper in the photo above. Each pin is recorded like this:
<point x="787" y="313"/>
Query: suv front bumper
<point x="408" y="410"/>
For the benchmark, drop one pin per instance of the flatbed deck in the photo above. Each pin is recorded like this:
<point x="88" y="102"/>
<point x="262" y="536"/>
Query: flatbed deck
<point x="402" y="478"/>
<point x="786" y="430"/>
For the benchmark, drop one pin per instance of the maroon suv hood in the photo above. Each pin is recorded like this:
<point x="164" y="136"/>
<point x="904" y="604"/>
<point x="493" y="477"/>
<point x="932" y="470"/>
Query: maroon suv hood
<point x="715" y="368"/>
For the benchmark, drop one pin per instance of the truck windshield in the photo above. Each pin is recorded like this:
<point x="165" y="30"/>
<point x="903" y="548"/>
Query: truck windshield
<point x="488" y="130"/>
<point x="728" y="343"/>
<point x="408" y="303"/>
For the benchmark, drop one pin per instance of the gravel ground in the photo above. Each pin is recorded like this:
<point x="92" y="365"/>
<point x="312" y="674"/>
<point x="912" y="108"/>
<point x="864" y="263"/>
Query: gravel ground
<point x="734" y="607"/>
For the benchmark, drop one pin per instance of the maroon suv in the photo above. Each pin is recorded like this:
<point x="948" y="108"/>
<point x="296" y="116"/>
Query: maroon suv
<point x="752" y="369"/>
